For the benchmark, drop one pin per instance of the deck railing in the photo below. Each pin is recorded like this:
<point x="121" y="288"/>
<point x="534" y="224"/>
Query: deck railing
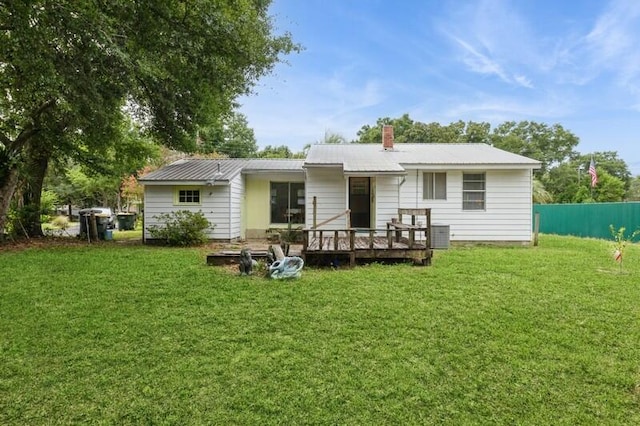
<point x="345" y="239"/>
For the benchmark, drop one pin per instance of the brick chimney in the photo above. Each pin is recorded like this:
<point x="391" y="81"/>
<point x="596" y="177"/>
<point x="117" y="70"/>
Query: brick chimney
<point x="387" y="137"/>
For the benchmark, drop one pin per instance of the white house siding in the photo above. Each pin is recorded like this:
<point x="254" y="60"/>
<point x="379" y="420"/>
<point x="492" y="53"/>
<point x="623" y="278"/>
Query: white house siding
<point x="215" y="204"/>
<point x="236" y="199"/>
<point x="329" y="187"/>
<point x="386" y="199"/>
<point x="507" y="216"/>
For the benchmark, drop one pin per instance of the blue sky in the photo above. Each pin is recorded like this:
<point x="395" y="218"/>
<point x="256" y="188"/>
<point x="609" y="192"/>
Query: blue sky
<point x="572" y="63"/>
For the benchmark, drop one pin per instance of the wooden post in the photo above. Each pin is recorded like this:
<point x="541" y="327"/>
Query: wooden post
<point x="305" y="240"/>
<point x="536" y="228"/>
<point x="371" y="237"/>
<point x="320" y="241"/>
<point x="335" y="240"/>
<point x="93" y="227"/>
<point x="427" y="233"/>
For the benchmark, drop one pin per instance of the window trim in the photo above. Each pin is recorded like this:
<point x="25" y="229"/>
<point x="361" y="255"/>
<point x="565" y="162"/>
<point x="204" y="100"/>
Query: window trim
<point x="294" y="196"/>
<point x="483" y="191"/>
<point x="179" y="189"/>
<point x="434" y="186"/>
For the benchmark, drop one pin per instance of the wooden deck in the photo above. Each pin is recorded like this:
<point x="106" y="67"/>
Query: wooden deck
<point x="410" y="243"/>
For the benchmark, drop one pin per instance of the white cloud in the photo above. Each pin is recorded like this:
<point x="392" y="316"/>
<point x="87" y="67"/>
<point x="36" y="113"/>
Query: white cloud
<point x="479" y="62"/>
<point x="614" y="41"/>
<point x="523" y="81"/>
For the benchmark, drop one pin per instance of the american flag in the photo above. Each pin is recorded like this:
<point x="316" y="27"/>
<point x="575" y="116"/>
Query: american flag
<point x="593" y="173"/>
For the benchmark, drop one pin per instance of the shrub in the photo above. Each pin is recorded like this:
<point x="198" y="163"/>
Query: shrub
<point x="181" y="228"/>
<point x="60" y="222"/>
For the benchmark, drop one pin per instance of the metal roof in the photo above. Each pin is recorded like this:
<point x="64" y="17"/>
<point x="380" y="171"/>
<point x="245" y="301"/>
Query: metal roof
<point x="352" y="158"/>
<point x="273" y="164"/>
<point x="373" y="158"/>
<point x="195" y="169"/>
<point x="219" y="170"/>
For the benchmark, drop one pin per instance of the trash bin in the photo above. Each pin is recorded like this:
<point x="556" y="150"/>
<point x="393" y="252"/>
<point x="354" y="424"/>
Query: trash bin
<point x="126" y="221"/>
<point x="102" y="222"/>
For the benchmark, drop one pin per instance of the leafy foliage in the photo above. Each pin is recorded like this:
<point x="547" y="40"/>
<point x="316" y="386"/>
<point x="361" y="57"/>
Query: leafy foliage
<point x="230" y="136"/>
<point x="406" y="130"/>
<point x="72" y="69"/>
<point x="540" y="194"/>
<point x="181" y="228"/>
<point x="281" y="151"/>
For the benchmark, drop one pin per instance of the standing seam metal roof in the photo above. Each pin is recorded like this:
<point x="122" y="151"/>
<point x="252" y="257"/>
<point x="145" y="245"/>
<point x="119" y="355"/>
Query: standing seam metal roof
<point x="372" y="157"/>
<point x="195" y="169"/>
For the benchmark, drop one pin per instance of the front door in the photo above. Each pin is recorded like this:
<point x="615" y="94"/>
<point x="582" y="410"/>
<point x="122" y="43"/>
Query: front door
<point x="360" y="202"/>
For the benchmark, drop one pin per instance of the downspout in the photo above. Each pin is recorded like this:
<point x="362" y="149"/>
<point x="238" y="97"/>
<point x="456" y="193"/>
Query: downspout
<point x="416" y="189"/>
<point x="230" y="211"/>
<point x="402" y="180"/>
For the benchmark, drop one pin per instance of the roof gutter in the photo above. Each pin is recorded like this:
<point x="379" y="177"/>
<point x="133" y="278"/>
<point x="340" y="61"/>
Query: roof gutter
<point x="210" y="182"/>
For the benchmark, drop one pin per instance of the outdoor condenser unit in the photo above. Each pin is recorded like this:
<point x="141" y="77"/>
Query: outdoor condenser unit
<point x="439" y="236"/>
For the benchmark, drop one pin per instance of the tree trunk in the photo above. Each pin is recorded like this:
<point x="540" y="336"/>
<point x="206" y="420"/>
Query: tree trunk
<point x="37" y="164"/>
<point x="8" y="184"/>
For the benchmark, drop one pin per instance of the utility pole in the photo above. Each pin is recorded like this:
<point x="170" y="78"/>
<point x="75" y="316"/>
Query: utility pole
<point x="580" y="167"/>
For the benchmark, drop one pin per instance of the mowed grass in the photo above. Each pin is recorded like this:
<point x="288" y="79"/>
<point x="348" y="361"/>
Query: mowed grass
<point x="128" y="334"/>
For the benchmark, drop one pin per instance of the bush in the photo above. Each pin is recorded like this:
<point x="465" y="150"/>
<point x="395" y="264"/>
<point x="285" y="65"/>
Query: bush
<point x="60" y="222"/>
<point x="181" y="228"/>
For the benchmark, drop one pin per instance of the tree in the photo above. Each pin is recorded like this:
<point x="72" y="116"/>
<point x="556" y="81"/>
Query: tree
<point x="406" y="130"/>
<point x="281" y="151"/>
<point x="70" y="69"/>
<point x="230" y="136"/>
<point x="333" y="138"/>
<point x="569" y="181"/>
<point x="563" y="182"/>
<point x="551" y="145"/>
<point x="633" y="194"/>
<point x="540" y="194"/>
<point x="608" y="161"/>
<point x="609" y="188"/>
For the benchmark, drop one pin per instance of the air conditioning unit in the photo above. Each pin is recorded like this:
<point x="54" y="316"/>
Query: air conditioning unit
<point x="440" y="236"/>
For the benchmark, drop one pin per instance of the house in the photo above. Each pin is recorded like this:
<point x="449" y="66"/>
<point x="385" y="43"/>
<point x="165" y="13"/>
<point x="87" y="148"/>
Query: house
<point x="242" y="198"/>
<point x="478" y="192"/>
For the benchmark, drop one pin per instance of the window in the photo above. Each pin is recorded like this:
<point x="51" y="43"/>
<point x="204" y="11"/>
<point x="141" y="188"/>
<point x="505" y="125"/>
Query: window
<point x="434" y="186"/>
<point x="473" y="191"/>
<point x="187" y="196"/>
<point x="287" y="202"/>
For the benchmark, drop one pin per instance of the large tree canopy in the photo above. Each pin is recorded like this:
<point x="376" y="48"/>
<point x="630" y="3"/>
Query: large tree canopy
<point x="69" y="69"/>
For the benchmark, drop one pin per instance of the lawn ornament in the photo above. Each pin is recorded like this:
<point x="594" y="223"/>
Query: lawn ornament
<point x="289" y="267"/>
<point x="246" y="263"/>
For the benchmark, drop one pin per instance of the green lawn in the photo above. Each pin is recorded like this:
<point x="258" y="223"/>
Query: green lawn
<point x="127" y="334"/>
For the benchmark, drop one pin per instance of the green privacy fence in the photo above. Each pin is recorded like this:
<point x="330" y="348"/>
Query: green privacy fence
<point x="587" y="220"/>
